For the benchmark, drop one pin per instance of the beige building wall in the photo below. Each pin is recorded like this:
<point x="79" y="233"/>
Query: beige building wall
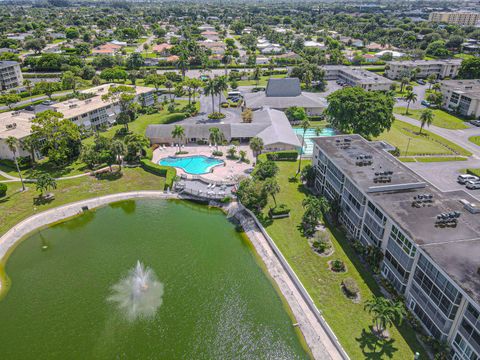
<point x="457" y="18"/>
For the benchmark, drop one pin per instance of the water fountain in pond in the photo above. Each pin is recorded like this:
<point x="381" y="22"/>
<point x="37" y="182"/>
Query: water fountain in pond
<point x="139" y="294"/>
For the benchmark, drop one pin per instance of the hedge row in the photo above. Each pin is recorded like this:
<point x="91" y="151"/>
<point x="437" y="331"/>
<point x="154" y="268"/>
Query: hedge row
<point x="287" y="155"/>
<point x="475" y="172"/>
<point x="169" y="173"/>
<point x="171" y="118"/>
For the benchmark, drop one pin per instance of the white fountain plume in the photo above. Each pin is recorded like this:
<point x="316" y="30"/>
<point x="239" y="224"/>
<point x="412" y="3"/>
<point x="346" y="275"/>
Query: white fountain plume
<point x="139" y="294"/>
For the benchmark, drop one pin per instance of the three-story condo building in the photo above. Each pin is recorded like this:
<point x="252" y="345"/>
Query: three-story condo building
<point x="430" y="239"/>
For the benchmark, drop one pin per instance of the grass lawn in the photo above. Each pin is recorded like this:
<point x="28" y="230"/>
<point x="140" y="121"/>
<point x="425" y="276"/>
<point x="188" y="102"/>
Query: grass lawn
<point x="475" y="172"/>
<point x="432" y="158"/>
<point x="262" y="82"/>
<point x="426" y="143"/>
<point x="350" y="322"/>
<point x="140" y="124"/>
<point x="475" y="140"/>
<point x="17" y="206"/>
<point x="74" y="168"/>
<point x="440" y="118"/>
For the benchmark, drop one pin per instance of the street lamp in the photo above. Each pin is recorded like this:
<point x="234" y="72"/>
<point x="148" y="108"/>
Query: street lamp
<point x="408" y="144"/>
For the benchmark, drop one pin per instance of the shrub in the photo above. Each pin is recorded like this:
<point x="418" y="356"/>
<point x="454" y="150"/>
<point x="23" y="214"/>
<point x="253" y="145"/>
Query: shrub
<point x="395" y="152"/>
<point x="322" y="243"/>
<point x="226" y="200"/>
<point x="3" y="190"/>
<point x="121" y="132"/>
<point x="350" y="286"/>
<point x="224" y="105"/>
<point x="170" y="118"/>
<point x="289" y="155"/>
<point x="168" y="172"/>
<point x="217" y="153"/>
<point x="281" y="209"/>
<point x="216" y="116"/>
<point x="338" y="265"/>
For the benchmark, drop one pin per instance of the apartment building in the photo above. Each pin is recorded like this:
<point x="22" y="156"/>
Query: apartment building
<point x="356" y="77"/>
<point x="95" y="111"/>
<point x="465" y="18"/>
<point x="430" y="239"/>
<point x="441" y="68"/>
<point x="462" y="96"/>
<point x="10" y="75"/>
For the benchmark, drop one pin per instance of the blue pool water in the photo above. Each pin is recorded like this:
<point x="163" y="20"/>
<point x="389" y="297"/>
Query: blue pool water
<point x="194" y="165"/>
<point x="311" y="133"/>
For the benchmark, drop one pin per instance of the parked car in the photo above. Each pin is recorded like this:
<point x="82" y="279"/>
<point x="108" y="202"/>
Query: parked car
<point x="425" y="103"/>
<point x="475" y="122"/>
<point x="30" y="108"/>
<point x="47" y="102"/>
<point x="421" y="82"/>
<point x="474" y="186"/>
<point x="463" y="178"/>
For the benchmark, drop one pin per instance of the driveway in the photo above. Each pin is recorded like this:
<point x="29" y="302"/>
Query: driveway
<point x="420" y="91"/>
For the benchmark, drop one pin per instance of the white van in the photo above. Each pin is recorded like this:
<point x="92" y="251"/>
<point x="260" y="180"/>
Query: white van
<point x="462" y="179"/>
<point x="234" y="94"/>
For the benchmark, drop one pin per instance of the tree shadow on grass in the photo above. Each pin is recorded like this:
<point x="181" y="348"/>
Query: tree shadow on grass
<point x="109" y="176"/>
<point x="374" y="348"/>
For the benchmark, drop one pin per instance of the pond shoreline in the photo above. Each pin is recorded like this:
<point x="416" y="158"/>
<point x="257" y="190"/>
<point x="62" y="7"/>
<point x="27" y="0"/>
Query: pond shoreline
<point x="316" y="336"/>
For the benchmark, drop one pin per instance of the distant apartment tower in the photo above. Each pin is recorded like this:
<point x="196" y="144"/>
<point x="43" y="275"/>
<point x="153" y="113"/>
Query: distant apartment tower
<point x="441" y="68"/>
<point x="462" y="96"/>
<point x="356" y="77"/>
<point x="10" y="75"/>
<point x="429" y="238"/>
<point x="465" y="18"/>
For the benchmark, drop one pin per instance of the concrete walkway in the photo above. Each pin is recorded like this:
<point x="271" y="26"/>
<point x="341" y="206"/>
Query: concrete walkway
<point x="317" y="334"/>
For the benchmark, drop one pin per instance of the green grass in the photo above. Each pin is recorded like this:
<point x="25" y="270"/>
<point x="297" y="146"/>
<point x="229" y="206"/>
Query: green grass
<point x="17" y="205"/>
<point x="140" y="124"/>
<point x="464" y="56"/>
<point x="262" y="82"/>
<point x="426" y="143"/>
<point x="74" y="168"/>
<point x="475" y="140"/>
<point x="349" y="321"/>
<point x="432" y="158"/>
<point x="475" y="172"/>
<point x="440" y="118"/>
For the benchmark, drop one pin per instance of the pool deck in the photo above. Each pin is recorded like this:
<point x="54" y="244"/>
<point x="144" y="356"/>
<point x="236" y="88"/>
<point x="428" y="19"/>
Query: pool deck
<point x="233" y="169"/>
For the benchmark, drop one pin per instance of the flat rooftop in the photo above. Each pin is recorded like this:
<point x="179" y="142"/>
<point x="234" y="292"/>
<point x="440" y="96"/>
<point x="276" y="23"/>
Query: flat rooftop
<point x="15" y="123"/>
<point x="361" y="76"/>
<point x="465" y="87"/>
<point x="5" y="64"/>
<point x="427" y="62"/>
<point x="74" y="107"/>
<point x="396" y="199"/>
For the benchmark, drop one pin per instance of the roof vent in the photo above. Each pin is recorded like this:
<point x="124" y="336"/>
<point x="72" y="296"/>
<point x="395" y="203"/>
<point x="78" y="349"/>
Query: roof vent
<point x="11" y="126"/>
<point x="422" y="200"/>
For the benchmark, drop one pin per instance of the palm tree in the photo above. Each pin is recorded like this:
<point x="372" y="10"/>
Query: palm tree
<point x="256" y="144"/>
<point x="221" y="85"/>
<point x="410" y="97"/>
<point x="405" y="81"/>
<point x="169" y="85"/>
<point x="243" y="155"/>
<point x="256" y="75"/>
<point x="385" y="312"/>
<point x="29" y="87"/>
<point x="227" y="59"/>
<point x="12" y="144"/>
<point x="431" y="79"/>
<point x="209" y="89"/>
<point x="182" y="64"/>
<point x="118" y="150"/>
<point x="305" y="126"/>
<point x="426" y="118"/>
<point x="216" y="136"/>
<point x="317" y="205"/>
<point x="44" y="182"/>
<point x="178" y="132"/>
<point x="272" y="188"/>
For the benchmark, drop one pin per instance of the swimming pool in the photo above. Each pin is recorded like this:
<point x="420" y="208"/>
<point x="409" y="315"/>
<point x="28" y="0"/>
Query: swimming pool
<point x="312" y="133"/>
<point x="194" y="165"/>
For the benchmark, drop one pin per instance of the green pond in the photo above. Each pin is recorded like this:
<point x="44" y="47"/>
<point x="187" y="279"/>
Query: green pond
<point x="217" y="302"/>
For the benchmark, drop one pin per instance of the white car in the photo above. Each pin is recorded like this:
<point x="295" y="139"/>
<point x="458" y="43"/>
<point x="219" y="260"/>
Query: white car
<point x="464" y="178"/>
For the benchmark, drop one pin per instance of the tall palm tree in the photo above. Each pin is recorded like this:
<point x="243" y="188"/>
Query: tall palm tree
<point x="216" y="136"/>
<point x="12" y="144"/>
<point x="118" y="150"/>
<point x="182" y="64"/>
<point x="426" y="118"/>
<point x="405" y="81"/>
<point x="257" y="72"/>
<point x="178" y="132"/>
<point x="305" y="126"/>
<point x="431" y="79"/>
<point x="410" y="97"/>
<point x="29" y="87"/>
<point x="44" y="182"/>
<point x="272" y="188"/>
<point x="209" y="89"/>
<point x="221" y="85"/>
<point x="227" y="59"/>
<point x="256" y="144"/>
<point x="385" y="312"/>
